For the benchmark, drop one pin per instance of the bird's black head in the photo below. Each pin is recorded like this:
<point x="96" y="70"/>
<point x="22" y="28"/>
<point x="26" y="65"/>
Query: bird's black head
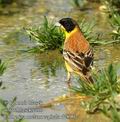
<point x="68" y="23"/>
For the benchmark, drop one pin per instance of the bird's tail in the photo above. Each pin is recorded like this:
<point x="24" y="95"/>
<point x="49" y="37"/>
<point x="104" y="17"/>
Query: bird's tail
<point x="86" y="74"/>
<point x="89" y="79"/>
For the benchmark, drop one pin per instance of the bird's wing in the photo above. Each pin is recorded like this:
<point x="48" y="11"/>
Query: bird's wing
<point x="81" y="61"/>
<point x="88" y="58"/>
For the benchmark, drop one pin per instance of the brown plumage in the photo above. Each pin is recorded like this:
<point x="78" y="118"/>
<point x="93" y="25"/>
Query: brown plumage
<point x="76" y="42"/>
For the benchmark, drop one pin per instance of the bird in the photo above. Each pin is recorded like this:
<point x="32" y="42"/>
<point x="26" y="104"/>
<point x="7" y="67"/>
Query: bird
<point x="77" y="52"/>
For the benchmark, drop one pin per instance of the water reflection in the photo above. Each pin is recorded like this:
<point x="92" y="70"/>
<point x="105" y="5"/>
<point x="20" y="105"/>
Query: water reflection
<point x="49" y="62"/>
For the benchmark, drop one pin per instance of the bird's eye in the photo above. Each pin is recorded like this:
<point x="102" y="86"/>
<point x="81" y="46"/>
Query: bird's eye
<point x="67" y="25"/>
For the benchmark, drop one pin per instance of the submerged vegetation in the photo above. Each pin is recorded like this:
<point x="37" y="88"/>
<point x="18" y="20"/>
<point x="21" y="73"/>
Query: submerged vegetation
<point x="103" y="92"/>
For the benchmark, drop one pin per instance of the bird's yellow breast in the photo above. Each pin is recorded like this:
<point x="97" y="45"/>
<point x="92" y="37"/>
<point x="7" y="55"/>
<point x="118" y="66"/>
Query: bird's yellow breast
<point x="68" y="34"/>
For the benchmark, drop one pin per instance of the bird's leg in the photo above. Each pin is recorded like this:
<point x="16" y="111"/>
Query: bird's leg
<point x="68" y="79"/>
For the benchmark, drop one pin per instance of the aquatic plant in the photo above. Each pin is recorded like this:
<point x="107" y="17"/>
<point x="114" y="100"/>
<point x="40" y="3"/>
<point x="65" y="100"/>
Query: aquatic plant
<point x="2" y="67"/>
<point x="102" y="92"/>
<point x="87" y="29"/>
<point x="113" y="11"/>
<point x="94" y="39"/>
<point x="113" y="113"/>
<point x="47" y="36"/>
<point x="78" y="3"/>
<point x="115" y="23"/>
<point x="6" y="108"/>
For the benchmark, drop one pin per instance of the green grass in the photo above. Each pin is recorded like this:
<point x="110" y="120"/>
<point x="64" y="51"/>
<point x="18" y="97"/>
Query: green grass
<point x="46" y="36"/>
<point x="87" y="29"/>
<point x="115" y="23"/>
<point x="113" y="11"/>
<point x="2" y="67"/>
<point x="102" y="92"/>
<point x="94" y="39"/>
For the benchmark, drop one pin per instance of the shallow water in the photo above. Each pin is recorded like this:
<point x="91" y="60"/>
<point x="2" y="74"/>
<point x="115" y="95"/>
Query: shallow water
<point x="41" y="77"/>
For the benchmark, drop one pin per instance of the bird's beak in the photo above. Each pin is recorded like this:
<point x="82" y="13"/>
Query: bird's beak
<point x="57" y="24"/>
